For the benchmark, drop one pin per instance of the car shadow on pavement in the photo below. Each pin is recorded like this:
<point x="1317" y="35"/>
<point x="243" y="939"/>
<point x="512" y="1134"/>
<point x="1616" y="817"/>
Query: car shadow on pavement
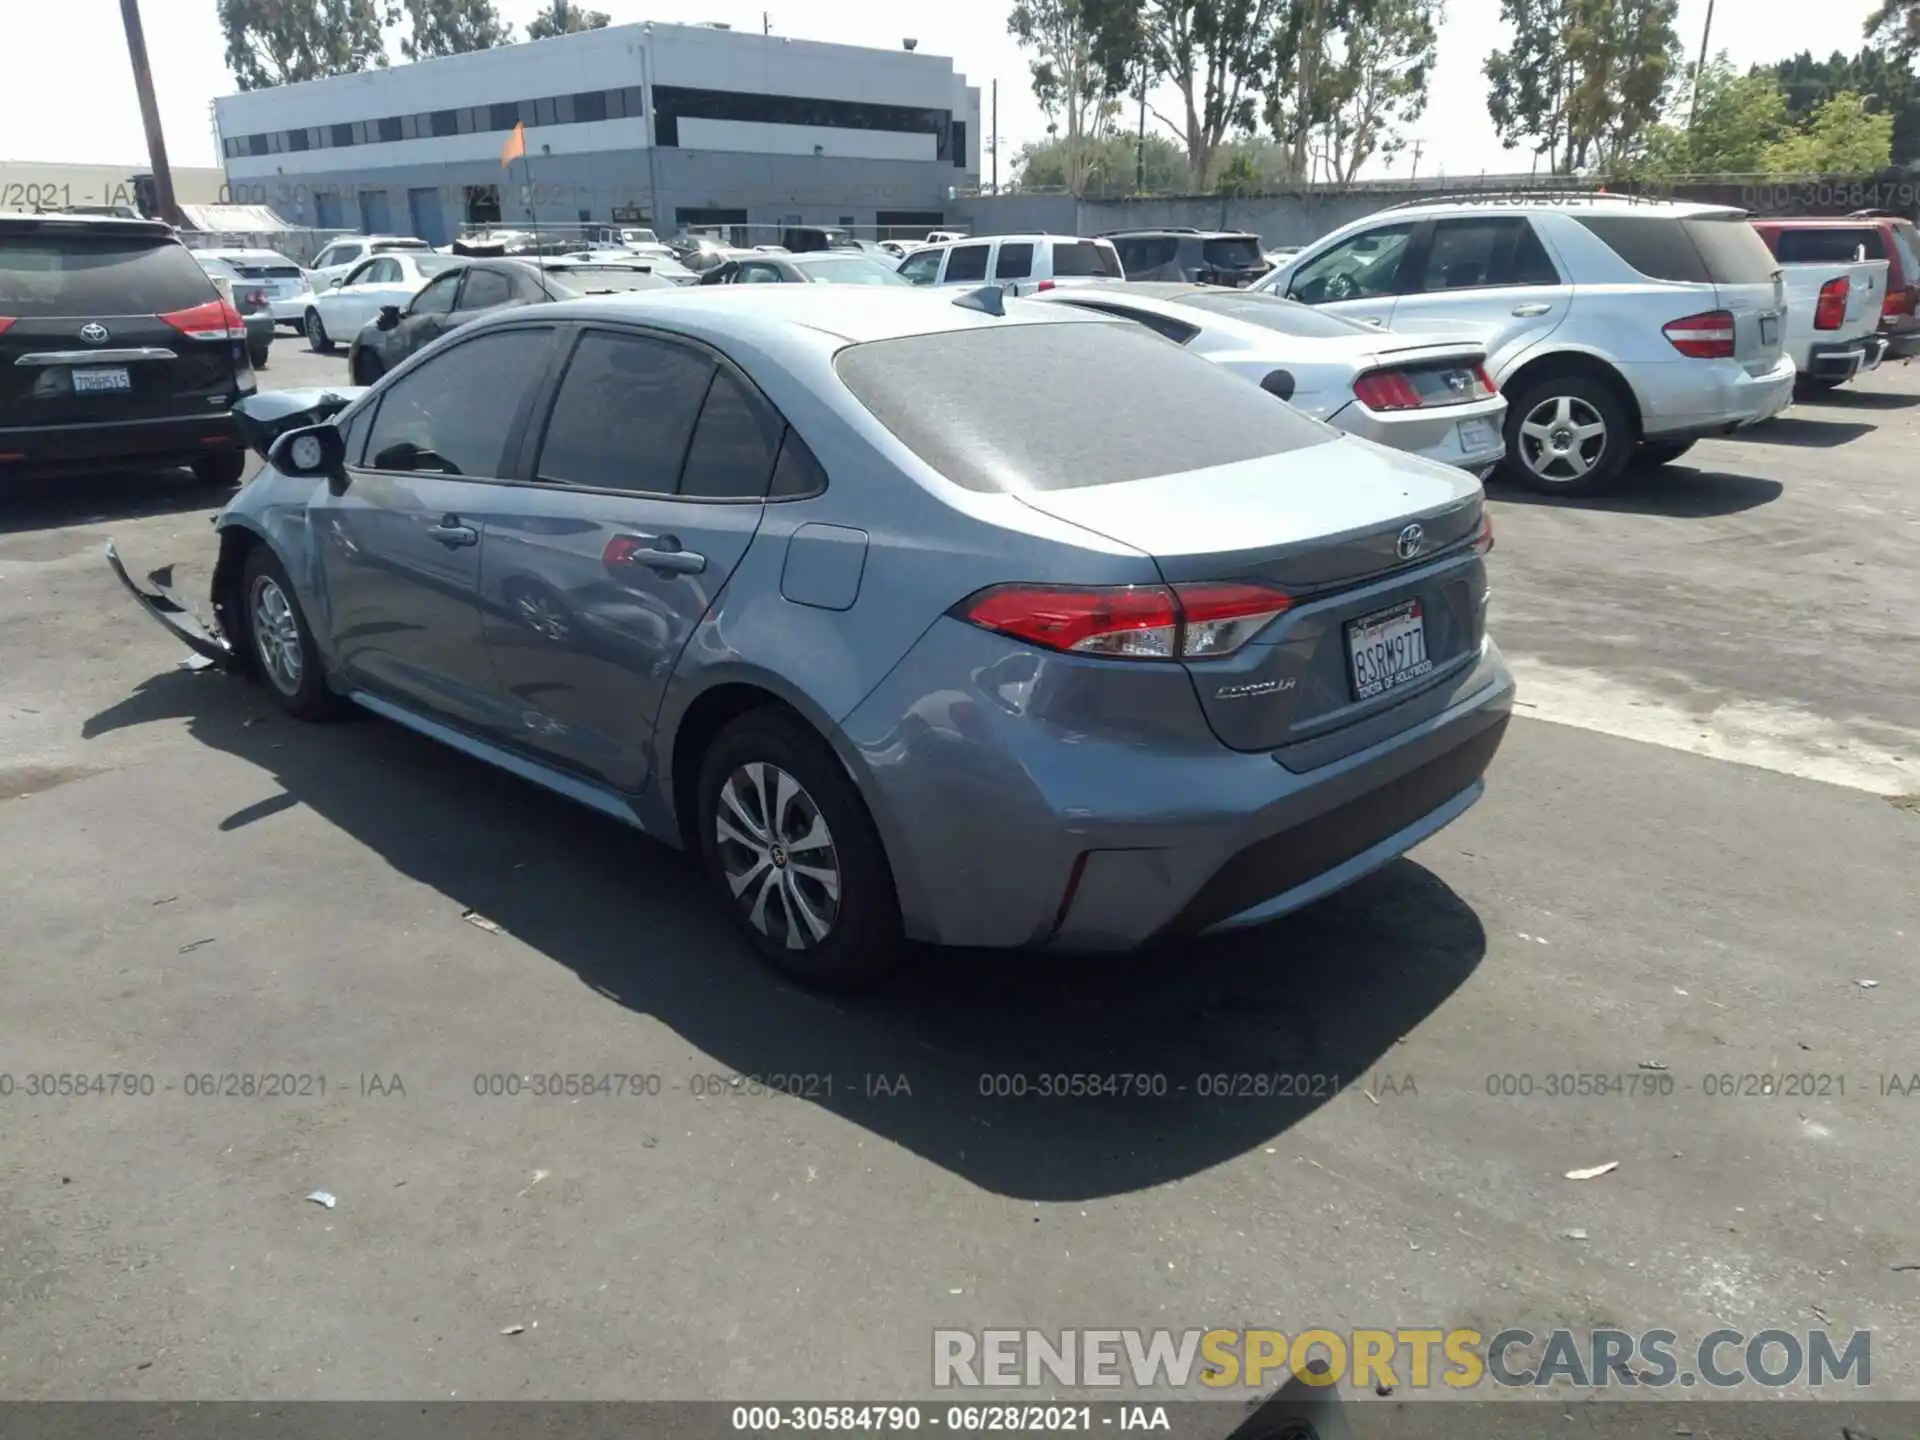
<point x="1677" y="490"/>
<point x="1848" y="398"/>
<point x="1803" y="433"/>
<point x="1201" y="1051"/>
<point x="52" y="504"/>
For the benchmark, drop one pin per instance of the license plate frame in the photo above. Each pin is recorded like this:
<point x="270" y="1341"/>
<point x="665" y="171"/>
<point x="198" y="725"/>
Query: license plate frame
<point x="103" y="380"/>
<point x="1384" y="630"/>
<point x="1769" y="329"/>
<point x="1477" y="435"/>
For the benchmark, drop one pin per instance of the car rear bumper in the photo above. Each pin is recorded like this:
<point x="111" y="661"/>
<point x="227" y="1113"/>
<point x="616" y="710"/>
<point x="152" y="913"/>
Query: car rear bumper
<point x="1844" y="359"/>
<point x="290" y="309"/>
<point x="1470" y="437"/>
<point x="118" y="444"/>
<point x="1687" y="399"/>
<point x="1005" y="830"/>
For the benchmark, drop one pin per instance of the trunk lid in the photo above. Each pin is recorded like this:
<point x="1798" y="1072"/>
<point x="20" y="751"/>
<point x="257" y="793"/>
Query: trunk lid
<point x="1328" y="524"/>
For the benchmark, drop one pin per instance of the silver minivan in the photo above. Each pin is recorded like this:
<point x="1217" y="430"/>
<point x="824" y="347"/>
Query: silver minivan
<point x="1018" y="264"/>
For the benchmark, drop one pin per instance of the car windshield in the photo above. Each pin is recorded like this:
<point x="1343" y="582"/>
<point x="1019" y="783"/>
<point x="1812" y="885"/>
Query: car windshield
<point x="967" y="403"/>
<point x="1272" y="312"/>
<point x="848" y="270"/>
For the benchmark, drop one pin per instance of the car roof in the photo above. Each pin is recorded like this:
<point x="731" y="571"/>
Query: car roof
<point x="1850" y="222"/>
<point x="60" y="220"/>
<point x="844" y="314"/>
<point x="1185" y="231"/>
<point x="239" y="253"/>
<point x="1522" y="203"/>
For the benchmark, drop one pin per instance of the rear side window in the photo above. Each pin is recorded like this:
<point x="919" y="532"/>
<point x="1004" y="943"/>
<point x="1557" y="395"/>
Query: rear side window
<point x="965" y="402"/>
<point x="1014" y="262"/>
<point x="1147" y="252"/>
<point x="1236" y="252"/>
<point x="80" y="274"/>
<point x="1484" y="251"/>
<point x="1827" y="245"/>
<point x="967" y="262"/>
<point x="485" y="289"/>
<point x="452" y="414"/>
<point x="625" y="414"/>
<point x="1702" y="251"/>
<point x="1084" y="260"/>
<point x="734" y="444"/>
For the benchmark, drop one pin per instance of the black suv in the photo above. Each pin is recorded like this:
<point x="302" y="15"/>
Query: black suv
<point x="116" y="351"/>
<point x="1198" y="257"/>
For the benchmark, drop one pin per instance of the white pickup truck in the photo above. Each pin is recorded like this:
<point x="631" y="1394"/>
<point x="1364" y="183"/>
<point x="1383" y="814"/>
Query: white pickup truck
<point x="1833" y="314"/>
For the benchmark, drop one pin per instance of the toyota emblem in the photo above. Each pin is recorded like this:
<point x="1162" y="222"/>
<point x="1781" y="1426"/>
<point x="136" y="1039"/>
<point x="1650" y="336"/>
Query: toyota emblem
<point x="94" y="333"/>
<point x="1410" y="541"/>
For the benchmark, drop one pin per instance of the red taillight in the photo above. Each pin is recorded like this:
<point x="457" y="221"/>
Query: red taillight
<point x="215" y="320"/>
<point x="1486" y="380"/>
<point x="1898" y="302"/>
<point x="1043" y="285"/>
<point x="1706" y="336"/>
<point x="256" y="298"/>
<point x="7" y="322"/>
<point x="1129" y="622"/>
<point x="1830" y="311"/>
<point x="1386" y="390"/>
<point x="1483" y="541"/>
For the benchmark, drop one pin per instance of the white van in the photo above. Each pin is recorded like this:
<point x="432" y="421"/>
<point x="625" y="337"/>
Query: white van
<point x="1018" y="264"/>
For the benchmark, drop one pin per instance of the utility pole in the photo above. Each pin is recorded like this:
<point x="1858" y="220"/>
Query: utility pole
<point x="1699" y="68"/>
<point x="1140" y="142"/>
<point x="993" y="130"/>
<point x="1418" y="147"/>
<point x="149" y="113"/>
<point x="766" y="23"/>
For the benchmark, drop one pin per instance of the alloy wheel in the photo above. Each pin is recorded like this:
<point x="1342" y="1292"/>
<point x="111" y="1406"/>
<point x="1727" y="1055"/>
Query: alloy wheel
<point x="778" y="856"/>
<point x="1563" y="438"/>
<point x="276" y="635"/>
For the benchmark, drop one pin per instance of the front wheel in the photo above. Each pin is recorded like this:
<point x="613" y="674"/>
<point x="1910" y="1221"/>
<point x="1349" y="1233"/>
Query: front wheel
<point x="222" y="468"/>
<point x="1663" y="452"/>
<point x="366" y="370"/>
<point x="794" y="855"/>
<point x="1567" y="435"/>
<point x="318" y="340"/>
<point x="280" y="643"/>
<point x="259" y="357"/>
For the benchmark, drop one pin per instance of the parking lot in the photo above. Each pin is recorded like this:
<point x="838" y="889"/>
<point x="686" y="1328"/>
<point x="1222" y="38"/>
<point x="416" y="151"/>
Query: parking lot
<point x="1696" y="860"/>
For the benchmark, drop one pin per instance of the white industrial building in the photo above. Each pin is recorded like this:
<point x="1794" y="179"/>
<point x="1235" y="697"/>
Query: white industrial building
<point x="662" y="125"/>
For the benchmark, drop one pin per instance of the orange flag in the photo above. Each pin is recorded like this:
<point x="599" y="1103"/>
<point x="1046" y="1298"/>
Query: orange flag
<point x="516" y="146"/>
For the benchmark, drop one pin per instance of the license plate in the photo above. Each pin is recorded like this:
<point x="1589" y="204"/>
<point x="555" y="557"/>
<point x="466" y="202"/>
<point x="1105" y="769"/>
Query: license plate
<point x="86" y="382"/>
<point x="1477" y="435"/>
<point x="1769" y="330"/>
<point x="1388" y="649"/>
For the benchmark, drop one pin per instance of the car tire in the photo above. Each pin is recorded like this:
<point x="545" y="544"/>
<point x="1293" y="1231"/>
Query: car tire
<point x="366" y="369"/>
<point x="832" y="923"/>
<point x="259" y="357"/>
<point x="221" y="468"/>
<point x="1662" y="452"/>
<point x="1553" y="446"/>
<point x="278" y="641"/>
<point x="318" y="340"/>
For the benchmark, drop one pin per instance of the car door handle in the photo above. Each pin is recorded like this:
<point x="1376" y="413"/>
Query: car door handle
<point x="1374" y="320"/>
<point x="1527" y="311"/>
<point x="654" y="552"/>
<point x="451" y="533"/>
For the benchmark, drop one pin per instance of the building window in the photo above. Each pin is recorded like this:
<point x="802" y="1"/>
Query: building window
<point x="506" y="116"/>
<point x="526" y="113"/>
<point x="483" y="204"/>
<point x="444" y="122"/>
<point x="256" y="145"/>
<point x="464" y="121"/>
<point x="634" y="102"/>
<point x="342" y="135"/>
<point x="363" y="133"/>
<point x="543" y="111"/>
<point x="675" y="103"/>
<point x="959" y="144"/>
<point x="563" y="110"/>
<point x="409" y="127"/>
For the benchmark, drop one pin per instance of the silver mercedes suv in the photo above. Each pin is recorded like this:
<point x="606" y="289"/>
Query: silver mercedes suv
<point x="1614" y="325"/>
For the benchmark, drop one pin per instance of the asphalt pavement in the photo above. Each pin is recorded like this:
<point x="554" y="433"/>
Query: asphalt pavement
<point x="1696" y="860"/>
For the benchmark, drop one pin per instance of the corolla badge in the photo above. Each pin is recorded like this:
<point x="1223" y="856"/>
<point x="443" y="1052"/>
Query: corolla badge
<point x="94" y="333"/>
<point x="1410" y="541"/>
<point x="1247" y="692"/>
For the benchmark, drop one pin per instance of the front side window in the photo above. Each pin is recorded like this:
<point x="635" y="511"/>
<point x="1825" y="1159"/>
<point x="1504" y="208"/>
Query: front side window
<point x="625" y="414"/>
<point x="452" y="415"/>
<point x="921" y="268"/>
<point x="485" y="289"/>
<point x="1361" y="267"/>
<point x="438" y="297"/>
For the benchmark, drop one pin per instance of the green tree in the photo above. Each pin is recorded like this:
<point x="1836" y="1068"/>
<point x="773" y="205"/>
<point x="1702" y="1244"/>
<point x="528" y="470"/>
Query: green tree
<point x="452" y="27"/>
<point x="1581" y="80"/>
<point x="1896" y="25"/>
<point x="1376" y="84"/>
<point x="1842" y="137"/>
<point x="282" y="42"/>
<point x="1108" y="166"/>
<point x="1076" y="74"/>
<point x="1222" y="56"/>
<point x="1810" y="83"/>
<point x="561" y="17"/>
<point x="1734" y="120"/>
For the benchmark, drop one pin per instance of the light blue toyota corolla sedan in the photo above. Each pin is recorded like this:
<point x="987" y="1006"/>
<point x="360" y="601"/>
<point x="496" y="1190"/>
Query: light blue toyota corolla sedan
<point x="916" y="615"/>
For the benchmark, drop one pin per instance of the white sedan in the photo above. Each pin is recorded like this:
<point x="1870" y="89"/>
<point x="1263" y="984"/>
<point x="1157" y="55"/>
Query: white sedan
<point x="1428" y="397"/>
<point x="341" y="309"/>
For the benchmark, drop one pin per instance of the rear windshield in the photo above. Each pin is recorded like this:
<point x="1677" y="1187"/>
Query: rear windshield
<point x="850" y="269"/>
<point x="966" y="403"/>
<point x="1828" y="245"/>
<point x="79" y="274"/>
<point x="1082" y="259"/>
<point x="381" y="245"/>
<point x="588" y="280"/>
<point x="1236" y="252"/>
<point x="1289" y="317"/>
<point x="270" y="267"/>
<point x="434" y="264"/>
<point x="1702" y="250"/>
